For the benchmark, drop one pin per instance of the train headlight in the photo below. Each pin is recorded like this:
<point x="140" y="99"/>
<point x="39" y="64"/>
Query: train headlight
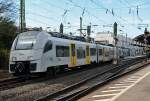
<point x="14" y="58"/>
<point x="12" y="67"/>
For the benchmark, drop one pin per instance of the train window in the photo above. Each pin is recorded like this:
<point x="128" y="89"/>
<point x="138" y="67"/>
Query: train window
<point x="59" y="51"/>
<point x="100" y="51"/>
<point x="92" y="51"/>
<point x="106" y="52"/>
<point x="72" y="49"/>
<point x="80" y="53"/>
<point x="48" y="46"/>
<point x="62" y="51"/>
<point x="25" y="44"/>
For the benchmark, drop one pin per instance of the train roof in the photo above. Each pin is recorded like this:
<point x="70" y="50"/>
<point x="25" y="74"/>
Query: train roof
<point x="65" y="36"/>
<point x="29" y="33"/>
<point x="61" y="40"/>
<point x="58" y="36"/>
<point x="53" y="34"/>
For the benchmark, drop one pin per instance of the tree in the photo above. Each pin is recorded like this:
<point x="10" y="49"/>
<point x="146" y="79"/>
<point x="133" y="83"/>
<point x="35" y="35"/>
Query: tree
<point x="7" y="32"/>
<point x="8" y="9"/>
<point x="8" y="14"/>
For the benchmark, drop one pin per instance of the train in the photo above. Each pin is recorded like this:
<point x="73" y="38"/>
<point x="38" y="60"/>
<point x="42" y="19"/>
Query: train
<point x="38" y="52"/>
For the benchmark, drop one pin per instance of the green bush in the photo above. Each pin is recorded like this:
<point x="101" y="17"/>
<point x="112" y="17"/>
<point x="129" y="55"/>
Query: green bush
<point x="4" y="58"/>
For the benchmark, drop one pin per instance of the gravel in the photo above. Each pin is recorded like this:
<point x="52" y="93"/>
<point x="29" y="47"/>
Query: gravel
<point x="33" y="91"/>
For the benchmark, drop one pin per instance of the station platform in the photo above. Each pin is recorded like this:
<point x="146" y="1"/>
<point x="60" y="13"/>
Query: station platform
<point x="132" y="87"/>
<point x="133" y="57"/>
<point x="140" y="92"/>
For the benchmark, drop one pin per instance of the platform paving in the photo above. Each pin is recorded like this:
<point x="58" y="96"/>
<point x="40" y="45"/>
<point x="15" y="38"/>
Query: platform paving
<point x="132" y="87"/>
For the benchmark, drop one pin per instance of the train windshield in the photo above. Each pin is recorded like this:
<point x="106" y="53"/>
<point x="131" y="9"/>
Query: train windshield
<point x="25" y="43"/>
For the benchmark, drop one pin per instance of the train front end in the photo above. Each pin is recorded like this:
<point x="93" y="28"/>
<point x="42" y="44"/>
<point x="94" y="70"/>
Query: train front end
<point x="25" y="55"/>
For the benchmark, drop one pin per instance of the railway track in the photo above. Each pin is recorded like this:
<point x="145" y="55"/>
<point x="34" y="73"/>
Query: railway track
<point x="16" y="82"/>
<point x="13" y="82"/>
<point x="81" y="88"/>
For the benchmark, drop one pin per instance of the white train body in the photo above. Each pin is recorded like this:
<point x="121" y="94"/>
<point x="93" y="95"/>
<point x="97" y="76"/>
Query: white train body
<point x="36" y="52"/>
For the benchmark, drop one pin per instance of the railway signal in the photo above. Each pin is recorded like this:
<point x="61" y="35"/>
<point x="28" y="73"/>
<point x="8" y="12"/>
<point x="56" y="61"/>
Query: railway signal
<point x="61" y="28"/>
<point x="88" y="30"/>
<point x="115" y="29"/>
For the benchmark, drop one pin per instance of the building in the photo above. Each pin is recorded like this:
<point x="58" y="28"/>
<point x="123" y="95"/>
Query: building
<point x="123" y="42"/>
<point x="107" y="38"/>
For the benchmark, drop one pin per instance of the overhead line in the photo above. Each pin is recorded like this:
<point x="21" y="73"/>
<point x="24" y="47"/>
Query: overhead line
<point x="83" y="8"/>
<point x="49" y="18"/>
<point x="35" y="20"/>
<point x="44" y="8"/>
<point x="53" y="5"/>
<point x="111" y="13"/>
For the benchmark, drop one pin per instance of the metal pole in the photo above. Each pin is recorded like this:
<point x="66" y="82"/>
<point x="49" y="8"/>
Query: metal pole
<point x="145" y="40"/>
<point x="126" y="38"/>
<point x="80" y="26"/>
<point x="115" y="46"/>
<point x="22" y="15"/>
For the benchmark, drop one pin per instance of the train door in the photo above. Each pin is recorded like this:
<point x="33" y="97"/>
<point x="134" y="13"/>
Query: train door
<point x="73" y="55"/>
<point x="88" y="61"/>
<point x="100" y="54"/>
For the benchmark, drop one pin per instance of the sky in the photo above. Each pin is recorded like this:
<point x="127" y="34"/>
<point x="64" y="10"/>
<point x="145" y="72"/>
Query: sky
<point x="101" y="14"/>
